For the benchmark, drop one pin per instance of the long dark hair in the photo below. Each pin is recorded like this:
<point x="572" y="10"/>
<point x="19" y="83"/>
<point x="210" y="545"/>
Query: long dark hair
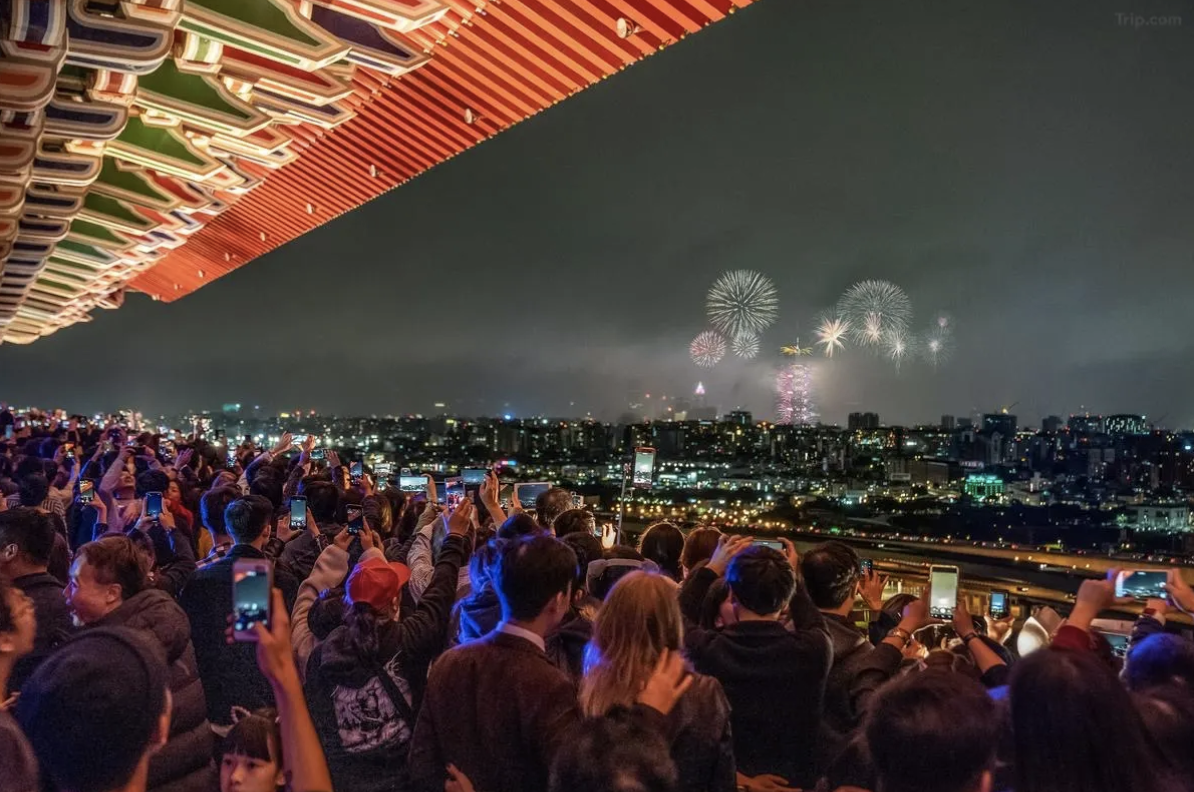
<point x="363" y="622"/>
<point x="1076" y="729"/>
<point x="663" y="543"/>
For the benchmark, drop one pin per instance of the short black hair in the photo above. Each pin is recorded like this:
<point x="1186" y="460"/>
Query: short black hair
<point x="551" y="504"/>
<point x="934" y="731"/>
<point x="530" y="572"/>
<point x="1160" y="659"/>
<point x="761" y="580"/>
<point x="614" y="753"/>
<point x="587" y="548"/>
<point x="33" y="490"/>
<point x="575" y="521"/>
<point x="248" y="518"/>
<point x="31" y="531"/>
<point x="663" y="543"/>
<point x="152" y="481"/>
<point x="212" y="506"/>
<point x="256" y="736"/>
<point x="323" y="499"/>
<point x="830" y="573"/>
<point x="269" y="487"/>
<point x="516" y="525"/>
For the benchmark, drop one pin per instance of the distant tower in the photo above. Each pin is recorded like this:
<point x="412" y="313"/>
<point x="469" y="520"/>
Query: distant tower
<point x="793" y="395"/>
<point x="699" y="393"/>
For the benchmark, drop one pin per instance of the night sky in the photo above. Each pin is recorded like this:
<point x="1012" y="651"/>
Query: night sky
<point x="1026" y="166"/>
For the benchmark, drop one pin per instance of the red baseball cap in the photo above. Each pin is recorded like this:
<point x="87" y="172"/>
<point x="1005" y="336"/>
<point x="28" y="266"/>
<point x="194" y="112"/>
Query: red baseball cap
<point x="376" y="582"/>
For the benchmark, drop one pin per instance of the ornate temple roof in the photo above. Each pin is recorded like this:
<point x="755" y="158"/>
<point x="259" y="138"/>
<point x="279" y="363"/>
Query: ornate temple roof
<point x="159" y="144"/>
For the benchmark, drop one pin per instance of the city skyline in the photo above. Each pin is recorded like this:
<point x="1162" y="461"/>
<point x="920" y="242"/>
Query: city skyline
<point x="1037" y="191"/>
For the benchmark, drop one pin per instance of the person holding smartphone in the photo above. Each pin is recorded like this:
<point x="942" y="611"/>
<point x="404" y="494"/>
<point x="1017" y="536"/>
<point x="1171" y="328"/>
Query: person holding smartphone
<point x="375" y="662"/>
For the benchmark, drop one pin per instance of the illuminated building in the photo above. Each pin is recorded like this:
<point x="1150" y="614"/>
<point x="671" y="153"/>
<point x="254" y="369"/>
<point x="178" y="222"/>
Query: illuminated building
<point x="1051" y="424"/>
<point x="1163" y="518"/>
<point x="160" y="144"/>
<point x="1085" y="424"/>
<point x="858" y="420"/>
<point x="981" y="487"/>
<point x="1125" y="424"/>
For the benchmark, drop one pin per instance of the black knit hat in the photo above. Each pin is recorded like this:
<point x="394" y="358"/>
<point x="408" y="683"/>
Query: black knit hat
<point x="92" y="707"/>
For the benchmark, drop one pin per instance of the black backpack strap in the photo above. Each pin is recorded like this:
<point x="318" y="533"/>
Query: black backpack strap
<point x="395" y="694"/>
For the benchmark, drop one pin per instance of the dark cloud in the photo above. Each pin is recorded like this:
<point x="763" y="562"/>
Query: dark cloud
<point x="1025" y="166"/>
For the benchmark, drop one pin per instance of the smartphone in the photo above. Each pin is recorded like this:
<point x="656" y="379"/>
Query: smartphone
<point x="318" y="453"/>
<point x="453" y="491"/>
<point x="298" y="440"/>
<point x="866" y="567"/>
<point x="774" y="544"/>
<point x="248" y="440"/>
<point x="298" y="512"/>
<point x="1000" y="607"/>
<point x="231" y="458"/>
<point x="943" y="586"/>
<point x="355" y="471"/>
<point x="86" y="490"/>
<point x="530" y="491"/>
<point x="69" y="450"/>
<point x="64" y="424"/>
<point x="356" y="519"/>
<point x="252" y="583"/>
<point x="219" y="435"/>
<point x="578" y="501"/>
<point x="412" y="483"/>
<point x="8" y="432"/>
<point x="153" y="505"/>
<point x="473" y="479"/>
<point x="381" y="474"/>
<point x="1141" y="584"/>
<point x="644" y="467"/>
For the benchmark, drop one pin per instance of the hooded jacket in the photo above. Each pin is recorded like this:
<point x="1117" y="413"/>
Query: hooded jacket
<point x="363" y="710"/>
<point x="184" y="763"/>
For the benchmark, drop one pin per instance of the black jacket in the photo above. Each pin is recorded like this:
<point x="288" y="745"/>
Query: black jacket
<point x="53" y="622"/>
<point x="364" y="711"/>
<point x="475" y="616"/>
<point x="565" y="647"/>
<point x="859" y="669"/>
<point x="702" y="742"/>
<point x="229" y="670"/>
<point x="774" y="679"/>
<point x="183" y="764"/>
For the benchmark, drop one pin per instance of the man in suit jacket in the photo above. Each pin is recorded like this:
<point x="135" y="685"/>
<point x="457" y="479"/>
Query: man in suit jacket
<point x="496" y="708"/>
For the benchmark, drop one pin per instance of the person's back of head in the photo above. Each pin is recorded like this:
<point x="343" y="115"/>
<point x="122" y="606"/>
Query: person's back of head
<point x="212" y="506"/>
<point x="248" y="518"/>
<point x="932" y="732"/>
<point x="33" y="490"/>
<point x="268" y="487"/>
<point x="27" y="536"/>
<point x="534" y="574"/>
<point x="639" y="621"/>
<point x="151" y="481"/>
<point x="483" y="563"/>
<point x="95" y="709"/>
<point x="663" y="543"/>
<point x="699" y="546"/>
<point x="575" y="521"/>
<point x="518" y="525"/>
<point x="830" y="573"/>
<point x="761" y="580"/>
<point x="1076" y="728"/>
<point x="28" y="465"/>
<point x="1161" y="659"/>
<point x="614" y="754"/>
<point x="1167" y="712"/>
<point x="587" y="548"/>
<point x="550" y="505"/>
<point x="615" y="563"/>
<point x="323" y="500"/>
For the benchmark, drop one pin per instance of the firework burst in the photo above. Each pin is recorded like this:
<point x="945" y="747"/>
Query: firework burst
<point x="793" y="395"/>
<point x="742" y="301"/>
<point x="898" y="345"/>
<point x="873" y="307"/>
<point x="745" y="345"/>
<point x="831" y="334"/>
<point x="937" y="346"/>
<point x="707" y="349"/>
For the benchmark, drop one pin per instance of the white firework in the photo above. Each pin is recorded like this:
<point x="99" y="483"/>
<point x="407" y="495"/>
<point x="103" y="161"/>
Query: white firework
<point x="742" y="301"/>
<point x="874" y="307"/>
<point x="831" y="334"/>
<point x="943" y="322"/>
<point x="745" y="345"/>
<point x="707" y="349"/>
<point x="937" y="347"/>
<point x="898" y="345"/>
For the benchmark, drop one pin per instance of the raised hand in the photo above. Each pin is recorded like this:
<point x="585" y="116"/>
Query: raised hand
<point x="667" y="684"/>
<point x="871" y="587"/>
<point x="727" y="548"/>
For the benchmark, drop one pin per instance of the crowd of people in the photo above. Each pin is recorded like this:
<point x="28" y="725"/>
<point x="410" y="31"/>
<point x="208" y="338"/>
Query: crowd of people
<point x="480" y="646"/>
